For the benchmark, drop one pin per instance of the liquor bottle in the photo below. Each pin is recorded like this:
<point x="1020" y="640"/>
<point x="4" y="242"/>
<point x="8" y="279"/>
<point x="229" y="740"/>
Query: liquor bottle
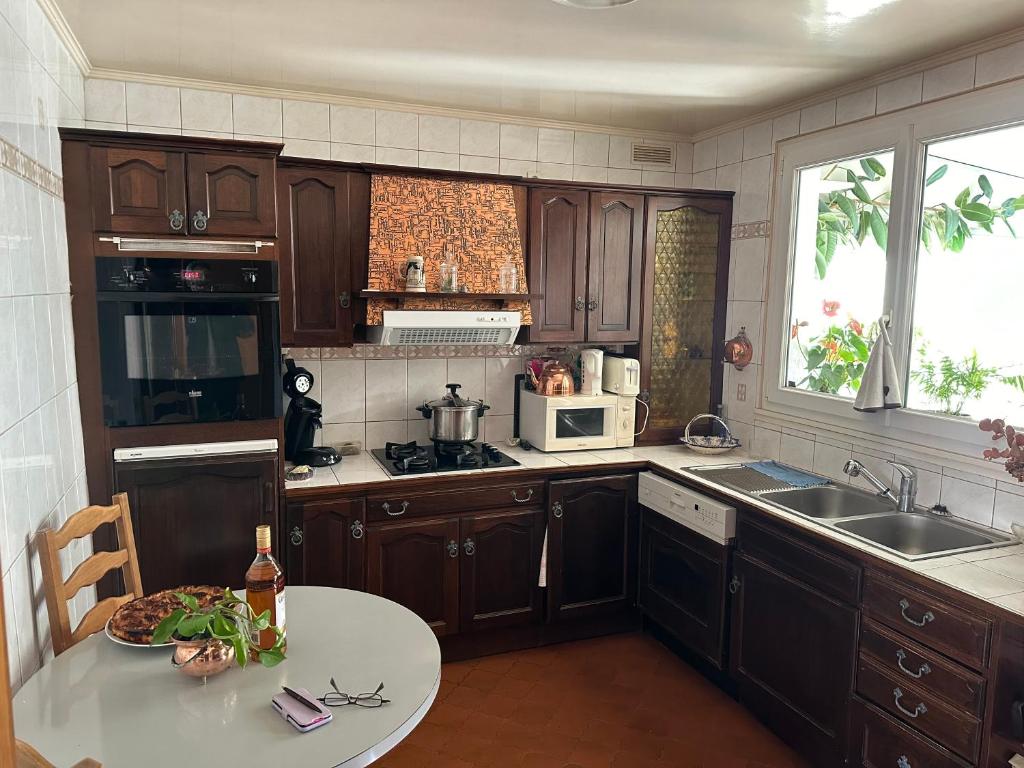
<point x="264" y="587"/>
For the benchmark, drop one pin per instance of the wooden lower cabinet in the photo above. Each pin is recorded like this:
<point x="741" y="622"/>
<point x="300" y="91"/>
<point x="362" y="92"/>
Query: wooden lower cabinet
<point x="683" y="578"/>
<point x="498" y="569"/>
<point x="881" y="742"/>
<point x="326" y="543"/>
<point x="416" y="564"/>
<point x="792" y="657"/>
<point x="195" y="519"/>
<point x="592" y="546"/>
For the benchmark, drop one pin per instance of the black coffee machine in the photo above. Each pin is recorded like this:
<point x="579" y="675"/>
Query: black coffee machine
<point x="302" y="420"/>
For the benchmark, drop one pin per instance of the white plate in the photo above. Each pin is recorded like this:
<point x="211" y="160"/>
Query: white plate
<point x="119" y="641"/>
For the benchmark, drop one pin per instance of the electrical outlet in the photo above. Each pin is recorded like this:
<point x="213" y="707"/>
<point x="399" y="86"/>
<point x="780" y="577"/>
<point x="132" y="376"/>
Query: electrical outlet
<point x="741" y="393"/>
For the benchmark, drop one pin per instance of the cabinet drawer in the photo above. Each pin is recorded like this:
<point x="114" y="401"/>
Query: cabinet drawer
<point x="400" y="506"/>
<point x="830" y="575"/>
<point x="937" y="624"/>
<point x="884" y="743"/>
<point x="909" y="661"/>
<point x="959" y="732"/>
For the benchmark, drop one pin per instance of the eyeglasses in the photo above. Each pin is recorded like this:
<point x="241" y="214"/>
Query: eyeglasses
<point x="336" y="698"/>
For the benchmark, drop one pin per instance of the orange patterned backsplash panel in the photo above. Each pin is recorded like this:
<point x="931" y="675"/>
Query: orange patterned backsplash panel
<point x="471" y="220"/>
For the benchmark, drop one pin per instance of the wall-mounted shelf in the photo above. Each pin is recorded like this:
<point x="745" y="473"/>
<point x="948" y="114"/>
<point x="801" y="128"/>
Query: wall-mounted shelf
<point x="368" y="294"/>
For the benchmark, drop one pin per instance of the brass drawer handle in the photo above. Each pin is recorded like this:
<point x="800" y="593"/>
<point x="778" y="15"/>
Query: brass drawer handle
<point x="357" y="529"/>
<point x="199" y="220"/>
<point x="517" y="500"/>
<point x="920" y="709"/>
<point x="469" y="547"/>
<point x="453" y="548"/>
<point x="580" y="304"/>
<point x="176" y="220"/>
<point x="923" y="670"/>
<point x="296" y="536"/>
<point x="903" y="762"/>
<point x="928" y="615"/>
<point x="556" y="509"/>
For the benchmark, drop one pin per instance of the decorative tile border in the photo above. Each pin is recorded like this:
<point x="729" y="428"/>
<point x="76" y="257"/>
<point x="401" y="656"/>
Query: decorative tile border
<point x="20" y="164"/>
<point x="414" y="352"/>
<point x="753" y="229"/>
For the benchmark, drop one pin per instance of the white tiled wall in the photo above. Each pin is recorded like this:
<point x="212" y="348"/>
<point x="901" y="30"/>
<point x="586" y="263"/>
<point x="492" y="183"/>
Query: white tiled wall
<point x="370" y="393"/>
<point x="42" y="465"/>
<point x="717" y="163"/>
<point x="391" y="137"/>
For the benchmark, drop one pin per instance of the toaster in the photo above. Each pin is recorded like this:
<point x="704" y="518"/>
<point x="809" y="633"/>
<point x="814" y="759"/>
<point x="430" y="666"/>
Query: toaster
<point x="621" y="376"/>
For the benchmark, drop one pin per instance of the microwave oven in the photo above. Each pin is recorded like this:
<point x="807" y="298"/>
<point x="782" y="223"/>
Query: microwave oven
<point x="570" y="423"/>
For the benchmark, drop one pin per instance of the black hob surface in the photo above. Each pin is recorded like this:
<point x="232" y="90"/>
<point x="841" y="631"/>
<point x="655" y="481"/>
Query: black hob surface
<point x="417" y="459"/>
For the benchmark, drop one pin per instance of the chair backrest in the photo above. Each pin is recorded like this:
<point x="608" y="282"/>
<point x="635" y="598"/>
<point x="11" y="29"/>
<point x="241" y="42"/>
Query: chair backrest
<point x="89" y="571"/>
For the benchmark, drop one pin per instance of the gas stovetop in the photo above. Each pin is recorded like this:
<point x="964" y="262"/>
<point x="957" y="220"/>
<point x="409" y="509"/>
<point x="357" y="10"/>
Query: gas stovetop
<point x="415" y="459"/>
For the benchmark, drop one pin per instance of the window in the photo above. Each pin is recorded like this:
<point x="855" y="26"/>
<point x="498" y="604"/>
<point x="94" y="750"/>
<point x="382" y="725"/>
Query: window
<point x="838" y="271"/>
<point x="965" y="357"/>
<point x="915" y="219"/>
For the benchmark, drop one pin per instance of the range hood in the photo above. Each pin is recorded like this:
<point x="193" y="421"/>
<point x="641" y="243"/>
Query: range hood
<point x="445" y="327"/>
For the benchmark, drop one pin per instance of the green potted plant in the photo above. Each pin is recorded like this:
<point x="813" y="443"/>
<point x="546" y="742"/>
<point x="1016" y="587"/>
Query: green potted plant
<point x="207" y="641"/>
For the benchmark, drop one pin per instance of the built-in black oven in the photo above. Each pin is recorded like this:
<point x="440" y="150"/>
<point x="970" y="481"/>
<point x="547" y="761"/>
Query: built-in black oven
<point x="188" y="340"/>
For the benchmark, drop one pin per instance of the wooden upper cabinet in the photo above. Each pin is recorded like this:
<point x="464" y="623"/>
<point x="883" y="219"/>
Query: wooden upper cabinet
<point x="614" y="275"/>
<point x="685" y="284"/>
<point x="231" y="194"/>
<point x="324" y="232"/>
<point x="138" y="191"/>
<point x="177" y="192"/>
<point x="558" y="263"/>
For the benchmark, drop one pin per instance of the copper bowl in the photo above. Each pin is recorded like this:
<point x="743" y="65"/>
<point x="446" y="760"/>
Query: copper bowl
<point x="202" y="657"/>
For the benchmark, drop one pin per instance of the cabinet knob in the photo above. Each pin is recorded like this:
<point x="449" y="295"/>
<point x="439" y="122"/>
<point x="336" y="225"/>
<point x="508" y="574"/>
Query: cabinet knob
<point x="734" y="585"/>
<point x="645" y="396"/>
<point x="453" y="548"/>
<point x="469" y="547"/>
<point x="176" y="220"/>
<point x="903" y="762"/>
<point x="556" y="509"/>
<point x="345" y="300"/>
<point x="296" y="536"/>
<point x="580" y="304"/>
<point x="592" y="305"/>
<point x="199" y="220"/>
<point x="357" y="529"/>
<point x="517" y="500"/>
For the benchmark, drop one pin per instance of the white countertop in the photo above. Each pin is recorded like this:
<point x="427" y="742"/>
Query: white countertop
<point x="994" y="575"/>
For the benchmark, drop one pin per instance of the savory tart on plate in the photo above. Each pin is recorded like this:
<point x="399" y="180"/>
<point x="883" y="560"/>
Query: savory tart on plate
<point x="134" y="622"/>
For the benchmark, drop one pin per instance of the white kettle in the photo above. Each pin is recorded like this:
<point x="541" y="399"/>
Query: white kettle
<point x="591" y="366"/>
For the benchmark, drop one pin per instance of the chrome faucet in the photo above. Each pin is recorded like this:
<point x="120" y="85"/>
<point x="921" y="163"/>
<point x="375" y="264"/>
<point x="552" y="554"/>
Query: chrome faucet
<point x="904" y="501"/>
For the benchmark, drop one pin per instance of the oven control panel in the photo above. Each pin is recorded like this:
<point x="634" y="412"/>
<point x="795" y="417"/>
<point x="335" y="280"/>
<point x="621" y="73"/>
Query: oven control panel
<point x="185" y="276"/>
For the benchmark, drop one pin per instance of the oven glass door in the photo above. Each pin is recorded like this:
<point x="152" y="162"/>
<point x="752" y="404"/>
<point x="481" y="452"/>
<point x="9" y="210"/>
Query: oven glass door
<point x="575" y="423"/>
<point x="172" y="362"/>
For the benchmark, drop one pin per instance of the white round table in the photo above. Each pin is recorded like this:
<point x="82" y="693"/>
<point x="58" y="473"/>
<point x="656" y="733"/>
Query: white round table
<point x="127" y="707"/>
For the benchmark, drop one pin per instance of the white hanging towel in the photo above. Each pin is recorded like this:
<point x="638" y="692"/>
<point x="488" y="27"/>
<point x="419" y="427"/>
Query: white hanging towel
<point x="542" y="577"/>
<point x="879" y="386"/>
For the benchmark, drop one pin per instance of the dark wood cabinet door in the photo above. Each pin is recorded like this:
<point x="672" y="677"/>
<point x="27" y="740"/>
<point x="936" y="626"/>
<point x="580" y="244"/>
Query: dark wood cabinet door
<point x="686" y="276"/>
<point x="500" y="563"/>
<point x="231" y="195"/>
<point x="557" y="261"/>
<point x="683" y="584"/>
<point x="326" y="543"/>
<point x="592" y="545"/>
<point x="614" y="274"/>
<point x="417" y="564"/>
<point x="138" y="191"/>
<point x="195" y="519"/>
<point x="325" y="219"/>
<point x="793" y="655"/>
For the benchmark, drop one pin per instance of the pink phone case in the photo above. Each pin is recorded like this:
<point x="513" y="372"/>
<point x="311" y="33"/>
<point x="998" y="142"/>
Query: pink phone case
<point x="299" y="715"/>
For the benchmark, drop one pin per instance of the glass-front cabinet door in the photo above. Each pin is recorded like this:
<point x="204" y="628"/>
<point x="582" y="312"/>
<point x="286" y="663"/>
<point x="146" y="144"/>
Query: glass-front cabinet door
<point x="686" y="274"/>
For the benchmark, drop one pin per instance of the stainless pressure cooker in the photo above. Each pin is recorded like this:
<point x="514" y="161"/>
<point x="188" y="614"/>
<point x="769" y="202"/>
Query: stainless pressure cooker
<point x="453" y="419"/>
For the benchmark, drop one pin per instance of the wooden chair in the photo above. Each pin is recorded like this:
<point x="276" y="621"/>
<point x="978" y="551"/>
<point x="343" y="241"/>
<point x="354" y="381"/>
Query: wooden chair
<point x="58" y="591"/>
<point x="14" y="752"/>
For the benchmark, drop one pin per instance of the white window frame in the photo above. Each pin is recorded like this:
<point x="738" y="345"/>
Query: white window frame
<point x="907" y="133"/>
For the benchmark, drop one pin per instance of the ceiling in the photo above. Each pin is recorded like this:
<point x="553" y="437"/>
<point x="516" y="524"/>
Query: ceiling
<point x="670" y="65"/>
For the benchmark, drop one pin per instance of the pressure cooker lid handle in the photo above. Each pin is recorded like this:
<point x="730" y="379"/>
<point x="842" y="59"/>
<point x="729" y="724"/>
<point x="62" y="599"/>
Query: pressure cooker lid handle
<point x="453" y="395"/>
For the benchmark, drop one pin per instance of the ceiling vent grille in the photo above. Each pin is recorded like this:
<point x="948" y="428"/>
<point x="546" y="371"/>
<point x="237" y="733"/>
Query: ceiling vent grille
<point x="654" y="154"/>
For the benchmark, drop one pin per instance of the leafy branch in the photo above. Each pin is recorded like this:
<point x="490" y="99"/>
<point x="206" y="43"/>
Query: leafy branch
<point x="848" y="216"/>
<point x="230" y="620"/>
<point x="836" y="360"/>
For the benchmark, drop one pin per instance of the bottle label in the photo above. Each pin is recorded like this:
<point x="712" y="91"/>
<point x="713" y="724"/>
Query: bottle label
<point x="279" y="610"/>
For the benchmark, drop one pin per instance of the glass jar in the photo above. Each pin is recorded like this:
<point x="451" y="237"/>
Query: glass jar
<point x="508" y="278"/>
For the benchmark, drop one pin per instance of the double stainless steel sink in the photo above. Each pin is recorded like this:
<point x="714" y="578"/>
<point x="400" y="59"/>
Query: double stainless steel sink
<point x="912" y="535"/>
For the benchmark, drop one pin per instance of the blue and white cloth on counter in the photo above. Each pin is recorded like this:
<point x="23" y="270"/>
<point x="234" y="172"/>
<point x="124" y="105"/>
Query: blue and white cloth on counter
<point x="795" y="477"/>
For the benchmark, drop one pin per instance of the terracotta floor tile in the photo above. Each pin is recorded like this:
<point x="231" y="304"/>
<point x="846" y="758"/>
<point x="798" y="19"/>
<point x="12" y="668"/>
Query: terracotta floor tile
<point x="623" y="701"/>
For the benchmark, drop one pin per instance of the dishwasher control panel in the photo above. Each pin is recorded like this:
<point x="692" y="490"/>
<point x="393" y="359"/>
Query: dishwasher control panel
<point x="700" y="513"/>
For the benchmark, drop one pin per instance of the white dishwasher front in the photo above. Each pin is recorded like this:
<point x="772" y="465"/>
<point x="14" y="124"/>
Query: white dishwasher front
<point x="708" y="517"/>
